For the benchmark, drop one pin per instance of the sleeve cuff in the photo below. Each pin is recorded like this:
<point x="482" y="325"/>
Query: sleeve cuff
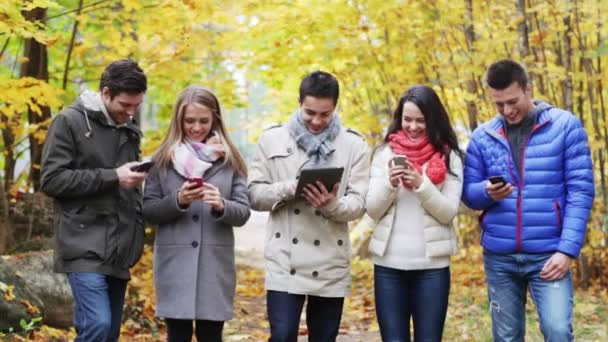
<point x="109" y="175"/>
<point x="179" y="207"/>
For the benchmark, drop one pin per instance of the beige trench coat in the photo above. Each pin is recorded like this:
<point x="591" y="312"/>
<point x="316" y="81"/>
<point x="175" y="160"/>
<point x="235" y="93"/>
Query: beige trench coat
<point x="307" y="250"/>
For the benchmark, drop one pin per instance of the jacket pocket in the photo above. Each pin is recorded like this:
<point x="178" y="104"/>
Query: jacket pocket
<point x="137" y="247"/>
<point x="480" y="220"/>
<point x="83" y="234"/>
<point x="558" y="216"/>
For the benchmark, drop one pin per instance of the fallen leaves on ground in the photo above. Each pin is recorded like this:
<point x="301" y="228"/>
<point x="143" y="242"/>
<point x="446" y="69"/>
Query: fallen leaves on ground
<point x="467" y="319"/>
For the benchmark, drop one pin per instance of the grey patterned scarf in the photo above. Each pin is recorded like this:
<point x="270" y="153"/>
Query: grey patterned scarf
<point x="318" y="147"/>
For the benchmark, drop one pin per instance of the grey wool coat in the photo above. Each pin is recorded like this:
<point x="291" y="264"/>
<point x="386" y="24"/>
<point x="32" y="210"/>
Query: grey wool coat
<point x="194" y="268"/>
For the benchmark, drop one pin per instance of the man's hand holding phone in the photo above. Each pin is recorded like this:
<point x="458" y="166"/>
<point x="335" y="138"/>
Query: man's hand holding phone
<point x="127" y="178"/>
<point x="498" y="188"/>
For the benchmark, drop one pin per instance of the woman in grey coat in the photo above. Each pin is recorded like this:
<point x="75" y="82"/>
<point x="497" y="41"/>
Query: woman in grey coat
<point x="196" y="193"/>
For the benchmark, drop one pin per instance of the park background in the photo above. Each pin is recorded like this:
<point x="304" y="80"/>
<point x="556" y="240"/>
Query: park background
<point x="253" y="54"/>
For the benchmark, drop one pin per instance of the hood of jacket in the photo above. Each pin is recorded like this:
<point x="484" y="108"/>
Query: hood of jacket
<point x="90" y="104"/>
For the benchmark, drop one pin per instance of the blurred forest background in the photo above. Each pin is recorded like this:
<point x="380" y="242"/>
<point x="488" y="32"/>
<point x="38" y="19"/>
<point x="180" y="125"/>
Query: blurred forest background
<point x="253" y="54"/>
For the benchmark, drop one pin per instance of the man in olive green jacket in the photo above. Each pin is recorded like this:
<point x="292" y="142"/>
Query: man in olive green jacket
<point x="87" y="158"/>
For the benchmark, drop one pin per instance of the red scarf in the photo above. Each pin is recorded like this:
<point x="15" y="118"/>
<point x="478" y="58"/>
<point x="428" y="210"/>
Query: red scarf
<point x="419" y="152"/>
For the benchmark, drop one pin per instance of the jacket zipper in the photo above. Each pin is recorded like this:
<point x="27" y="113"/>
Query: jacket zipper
<point x="521" y="183"/>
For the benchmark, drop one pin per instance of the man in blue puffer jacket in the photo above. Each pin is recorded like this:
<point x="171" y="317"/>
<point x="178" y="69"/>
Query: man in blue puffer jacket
<point x="534" y="223"/>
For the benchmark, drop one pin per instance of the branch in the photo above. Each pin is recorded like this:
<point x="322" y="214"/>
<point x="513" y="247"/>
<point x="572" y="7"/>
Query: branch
<point x="79" y="9"/>
<point x="66" y="70"/>
<point x="8" y="39"/>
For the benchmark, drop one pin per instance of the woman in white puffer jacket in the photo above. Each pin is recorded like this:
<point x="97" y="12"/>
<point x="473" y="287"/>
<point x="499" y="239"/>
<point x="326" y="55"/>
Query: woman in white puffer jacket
<point x="414" y="194"/>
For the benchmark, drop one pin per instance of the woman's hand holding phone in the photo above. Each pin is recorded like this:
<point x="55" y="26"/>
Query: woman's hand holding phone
<point x="402" y="169"/>
<point x="396" y="170"/>
<point x="212" y="196"/>
<point x="411" y="176"/>
<point x="191" y="190"/>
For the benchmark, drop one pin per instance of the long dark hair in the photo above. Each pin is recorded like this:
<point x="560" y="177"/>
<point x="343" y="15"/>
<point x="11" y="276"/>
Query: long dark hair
<point x="438" y="127"/>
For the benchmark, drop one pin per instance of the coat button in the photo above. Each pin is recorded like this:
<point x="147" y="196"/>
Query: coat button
<point x="318" y="213"/>
<point x="194" y="244"/>
<point x="295" y="241"/>
<point x="317" y="242"/>
<point x="296" y="211"/>
<point x="292" y="272"/>
<point x="289" y="150"/>
<point x="81" y="225"/>
<point x="195" y="218"/>
<point x="277" y="235"/>
<point x="340" y="242"/>
<point x="315" y="274"/>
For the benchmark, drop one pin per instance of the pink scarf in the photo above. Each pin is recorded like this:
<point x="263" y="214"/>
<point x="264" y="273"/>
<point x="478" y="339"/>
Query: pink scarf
<point x="419" y="152"/>
<point x="191" y="159"/>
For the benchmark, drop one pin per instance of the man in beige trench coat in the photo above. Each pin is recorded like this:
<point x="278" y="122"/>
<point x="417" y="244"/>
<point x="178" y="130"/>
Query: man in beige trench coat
<point x="307" y="248"/>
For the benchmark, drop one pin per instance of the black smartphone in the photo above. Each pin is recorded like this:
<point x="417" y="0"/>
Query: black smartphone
<point x="143" y="167"/>
<point x="497" y="180"/>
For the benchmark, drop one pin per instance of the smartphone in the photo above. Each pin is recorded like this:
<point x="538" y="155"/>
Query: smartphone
<point x="143" y="167"/>
<point x="197" y="180"/>
<point x="497" y="180"/>
<point x="400" y="160"/>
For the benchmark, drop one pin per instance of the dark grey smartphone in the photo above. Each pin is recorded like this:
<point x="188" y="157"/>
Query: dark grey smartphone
<point x="399" y="160"/>
<point x="497" y="180"/>
<point x="143" y="167"/>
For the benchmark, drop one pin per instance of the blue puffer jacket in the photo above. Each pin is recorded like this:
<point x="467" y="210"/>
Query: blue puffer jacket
<point x="553" y="191"/>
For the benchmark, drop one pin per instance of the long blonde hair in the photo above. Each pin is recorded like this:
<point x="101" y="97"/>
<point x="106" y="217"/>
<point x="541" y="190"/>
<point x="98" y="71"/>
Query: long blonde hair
<point x="196" y="94"/>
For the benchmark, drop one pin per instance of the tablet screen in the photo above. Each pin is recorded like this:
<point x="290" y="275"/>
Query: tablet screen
<point x="328" y="176"/>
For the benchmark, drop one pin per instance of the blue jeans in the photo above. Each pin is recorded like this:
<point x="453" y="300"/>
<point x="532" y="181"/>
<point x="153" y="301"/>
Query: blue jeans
<point x="323" y="316"/>
<point x="508" y="277"/>
<point x="418" y="294"/>
<point x="98" y="301"/>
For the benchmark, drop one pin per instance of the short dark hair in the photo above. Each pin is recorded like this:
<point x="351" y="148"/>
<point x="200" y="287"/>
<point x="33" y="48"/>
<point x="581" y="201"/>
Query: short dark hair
<point x="320" y="84"/>
<point x="504" y="72"/>
<point x="123" y="76"/>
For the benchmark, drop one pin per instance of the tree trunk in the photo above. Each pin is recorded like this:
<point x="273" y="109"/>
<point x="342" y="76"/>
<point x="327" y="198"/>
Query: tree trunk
<point x="522" y="29"/>
<point x="5" y="220"/>
<point x="8" y="138"/>
<point x="469" y="33"/>
<point x="567" y="60"/>
<point x="36" y="65"/>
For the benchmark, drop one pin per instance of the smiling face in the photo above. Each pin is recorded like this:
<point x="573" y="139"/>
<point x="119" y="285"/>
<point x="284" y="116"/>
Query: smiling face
<point x="197" y="122"/>
<point x="123" y="106"/>
<point x="412" y="121"/>
<point x="317" y="113"/>
<point x="513" y="102"/>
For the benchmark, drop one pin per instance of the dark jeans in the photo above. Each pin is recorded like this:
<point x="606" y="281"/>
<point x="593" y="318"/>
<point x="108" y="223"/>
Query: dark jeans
<point x="180" y="330"/>
<point x="323" y="316"/>
<point x="98" y="301"/>
<point x="419" y="294"/>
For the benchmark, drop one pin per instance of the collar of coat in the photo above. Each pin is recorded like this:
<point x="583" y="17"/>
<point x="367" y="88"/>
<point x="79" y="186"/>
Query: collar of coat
<point x="89" y="105"/>
<point x="496" y="126"/>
